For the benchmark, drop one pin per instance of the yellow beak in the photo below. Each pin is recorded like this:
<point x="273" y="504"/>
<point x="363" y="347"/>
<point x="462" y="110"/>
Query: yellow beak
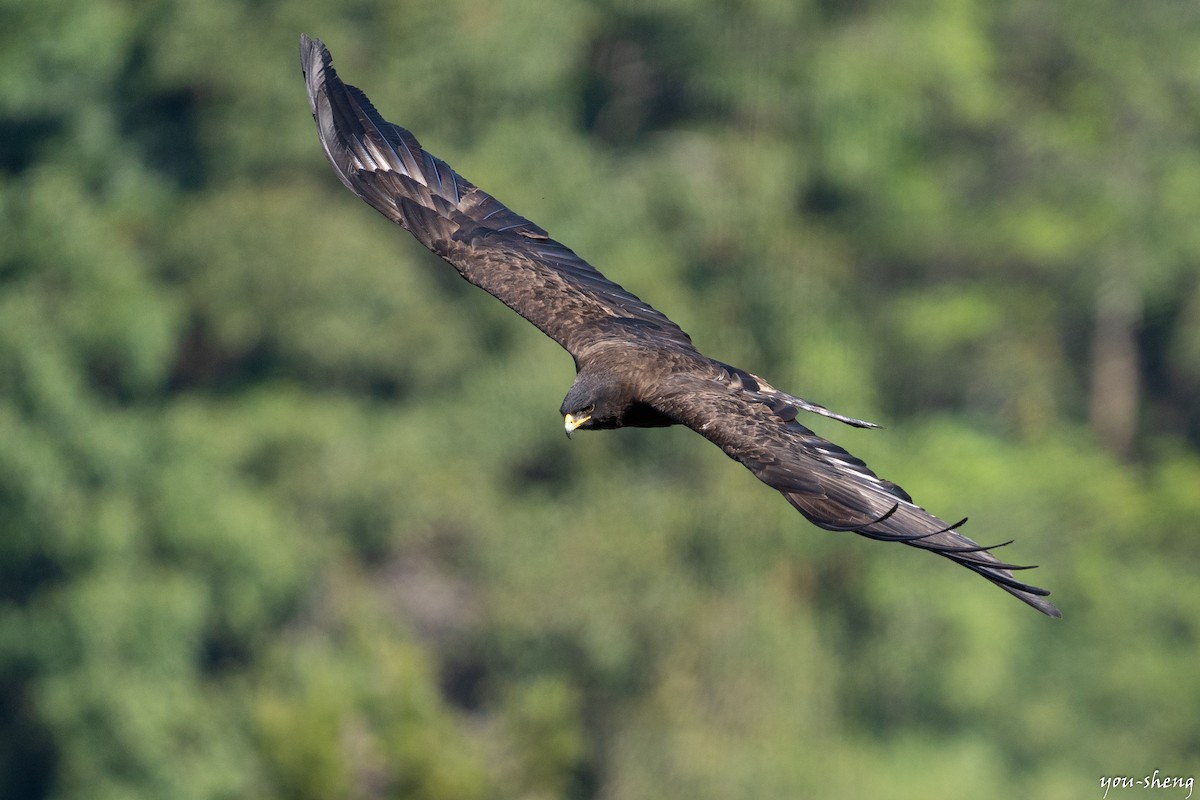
<point x="571" y="422"/>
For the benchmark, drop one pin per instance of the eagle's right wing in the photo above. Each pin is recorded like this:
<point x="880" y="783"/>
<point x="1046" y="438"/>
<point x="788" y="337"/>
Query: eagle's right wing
<point x="490" y="245"/>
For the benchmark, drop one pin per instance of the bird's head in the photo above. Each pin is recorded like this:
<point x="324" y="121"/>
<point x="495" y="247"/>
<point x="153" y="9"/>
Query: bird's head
<point x="592" y="404"/>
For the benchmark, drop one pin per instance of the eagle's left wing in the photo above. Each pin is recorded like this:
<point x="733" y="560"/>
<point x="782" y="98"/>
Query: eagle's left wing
<point x="826" y="484"/>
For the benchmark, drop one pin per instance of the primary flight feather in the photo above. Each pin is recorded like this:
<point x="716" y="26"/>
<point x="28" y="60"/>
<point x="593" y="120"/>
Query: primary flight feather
<point x="634" y="366"/>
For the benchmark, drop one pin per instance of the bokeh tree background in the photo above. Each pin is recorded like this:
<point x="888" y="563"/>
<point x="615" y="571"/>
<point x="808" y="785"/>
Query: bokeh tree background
<point x="285" y="506"/>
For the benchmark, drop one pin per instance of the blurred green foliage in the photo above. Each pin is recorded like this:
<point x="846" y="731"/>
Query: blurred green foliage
<point x="285" y="508"/>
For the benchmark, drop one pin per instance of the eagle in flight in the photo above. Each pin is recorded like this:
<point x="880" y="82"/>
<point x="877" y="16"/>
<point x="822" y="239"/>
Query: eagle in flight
<point x="634" y="366"/>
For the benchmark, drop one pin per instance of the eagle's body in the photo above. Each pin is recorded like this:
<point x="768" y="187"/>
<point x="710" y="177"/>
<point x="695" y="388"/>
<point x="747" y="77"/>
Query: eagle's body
<point x="635" y="367"/>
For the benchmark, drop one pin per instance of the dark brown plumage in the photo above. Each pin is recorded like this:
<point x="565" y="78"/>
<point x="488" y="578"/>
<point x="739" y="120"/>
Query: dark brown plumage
<point x="635" y="367"/>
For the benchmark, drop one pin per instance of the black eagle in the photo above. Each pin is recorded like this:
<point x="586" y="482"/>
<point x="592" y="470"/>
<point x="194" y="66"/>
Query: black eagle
<point x="634" y="366"/>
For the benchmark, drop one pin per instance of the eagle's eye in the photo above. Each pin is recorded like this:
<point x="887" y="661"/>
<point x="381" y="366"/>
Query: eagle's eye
<point x="587" y="410"/>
